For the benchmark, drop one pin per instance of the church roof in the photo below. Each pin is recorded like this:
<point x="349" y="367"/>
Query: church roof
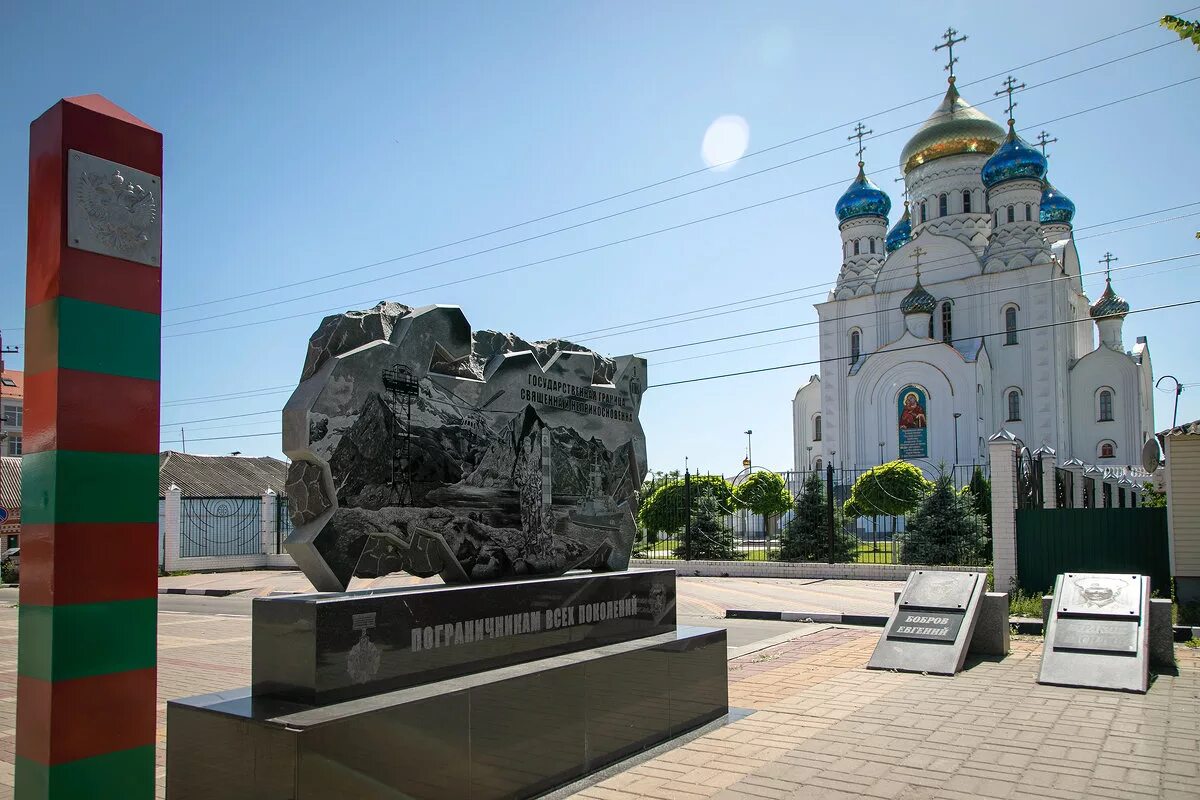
<point x="918" y="301"/>
<point x="1109" y="304"/>
<point x="862" y="199"/>
<point x="1015" y="159"/>
<point x="955" y="127"/>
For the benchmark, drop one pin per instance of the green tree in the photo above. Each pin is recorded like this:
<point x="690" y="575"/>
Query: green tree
<point x="980" y="489"/>
<point x="1185" y="29"/>
<point x="764" y="493"/>
<point x="1153" y="498"/>
<point x="712" y="539"/>
<point x="944" y="529"/>
<point x="665" y="510"/>
<point x="890" y="490"/>
<point x="806" y="536"/>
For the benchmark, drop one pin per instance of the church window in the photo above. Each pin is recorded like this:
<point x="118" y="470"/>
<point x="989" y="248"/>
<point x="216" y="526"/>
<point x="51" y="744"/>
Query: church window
<point x="872" y="244"/>
<point x="855" y="346"/>
<point x="818" y="465"/>
<point x="922" y="211"/>
<point x="966" y="202"/>
<point x="947" y="322"/>
<point x="856" y="247"/>
<point x="817" y="428"/>
<point x="1012" y="216"/>
<point x="1108" y="450"/>
<point x="1028" y="213"/>
<point x="1106" y="406"/>
<point x="942" y="205"/>
<point x="930" y="326"/>
<point x="1010" y="325"/>
<point x="1014" y="405"/>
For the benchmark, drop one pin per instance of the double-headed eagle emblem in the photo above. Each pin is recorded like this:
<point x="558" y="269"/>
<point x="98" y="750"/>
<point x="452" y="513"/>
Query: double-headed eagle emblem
<point x="122" y="214"/>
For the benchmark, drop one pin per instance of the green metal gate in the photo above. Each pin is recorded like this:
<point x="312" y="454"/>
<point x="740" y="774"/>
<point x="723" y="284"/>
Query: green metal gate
<point x="1051" y="541"/>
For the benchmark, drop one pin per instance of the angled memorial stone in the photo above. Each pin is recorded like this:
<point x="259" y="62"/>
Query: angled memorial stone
<point x="1098" y="632"/>
<point x="421" y="446"/>
<point x="932" y="624"/>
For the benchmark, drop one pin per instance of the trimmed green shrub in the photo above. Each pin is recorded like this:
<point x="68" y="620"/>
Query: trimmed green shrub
<point x="890" y="490"/>
<point x="764" y="493"/>
<point x="665" y="509"/>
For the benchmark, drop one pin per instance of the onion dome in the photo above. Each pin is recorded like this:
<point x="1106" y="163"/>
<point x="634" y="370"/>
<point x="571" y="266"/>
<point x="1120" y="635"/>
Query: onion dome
<point x="918" y="301"/>
<point x="863" y="199"/>
<point x="954" y="128"/>
<point x="901" y="233"/>
<point x="1015" y="159"/>
<point x="1056" y="207"/>
<point x="1109" y="304"/>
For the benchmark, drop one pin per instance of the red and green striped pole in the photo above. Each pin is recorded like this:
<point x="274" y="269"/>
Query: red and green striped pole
<point x="86" y="647"/>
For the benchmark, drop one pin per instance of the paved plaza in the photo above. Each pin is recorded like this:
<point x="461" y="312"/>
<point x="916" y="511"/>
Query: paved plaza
<point x="822" y="725"/>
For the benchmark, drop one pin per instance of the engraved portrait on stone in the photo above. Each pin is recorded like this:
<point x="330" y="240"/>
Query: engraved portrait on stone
<point x="418" y="445"/>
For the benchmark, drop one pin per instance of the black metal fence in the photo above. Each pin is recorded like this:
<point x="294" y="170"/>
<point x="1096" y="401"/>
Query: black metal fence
<point x="700" y="517"/>
<point x="220" y="526"/>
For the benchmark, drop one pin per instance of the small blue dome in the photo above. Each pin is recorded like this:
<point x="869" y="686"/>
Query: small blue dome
<point x="901" y="233"/>
<point x="1056" y="207"/>
<point x="1014" y="159"/>
<point x="863" y="199"/>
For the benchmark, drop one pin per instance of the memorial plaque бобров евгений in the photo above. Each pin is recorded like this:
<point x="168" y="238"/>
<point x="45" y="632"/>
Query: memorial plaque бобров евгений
<point x="418" y="445"/>
<point x="932" y="624"/>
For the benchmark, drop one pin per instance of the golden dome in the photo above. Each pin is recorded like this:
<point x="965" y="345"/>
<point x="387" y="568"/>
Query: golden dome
<point x="954" y="127"/>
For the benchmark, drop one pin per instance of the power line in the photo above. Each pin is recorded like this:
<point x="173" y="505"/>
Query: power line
<point x="228" y="394"/>
<point x="660" y="201"/>
<point x="215" y="419"/>
<point x="906" y="347"/>
<point x="219" y="438"/>
<point x="691" y="173"/>
<point x="595" y="248"/>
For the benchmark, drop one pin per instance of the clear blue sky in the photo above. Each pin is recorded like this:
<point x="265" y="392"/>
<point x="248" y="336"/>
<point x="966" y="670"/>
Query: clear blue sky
<point x="304" y="139"/>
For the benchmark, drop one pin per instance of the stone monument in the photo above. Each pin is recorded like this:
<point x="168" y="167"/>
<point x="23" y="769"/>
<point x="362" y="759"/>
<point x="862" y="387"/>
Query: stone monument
<point x="508" y="468"/>
<point x="422" y="447"/>
<point x="933" y="623"/>
<point x="1098" y="632"/>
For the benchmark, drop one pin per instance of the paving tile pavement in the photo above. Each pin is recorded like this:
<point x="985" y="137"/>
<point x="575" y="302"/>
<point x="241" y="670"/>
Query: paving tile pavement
<point x="824" y="726"/>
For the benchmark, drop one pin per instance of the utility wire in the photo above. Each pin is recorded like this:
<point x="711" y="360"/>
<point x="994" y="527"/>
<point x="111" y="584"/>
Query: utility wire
<point x="612" y="215"/>
<point x="594" y="248"/>
<point x="692" y="173"/>
<point x="907" y="347"/>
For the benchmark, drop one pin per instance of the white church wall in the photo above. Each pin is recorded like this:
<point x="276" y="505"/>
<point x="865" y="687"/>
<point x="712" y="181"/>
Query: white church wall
<point x="1105" y="368"/>
<point x="805" y="407"/>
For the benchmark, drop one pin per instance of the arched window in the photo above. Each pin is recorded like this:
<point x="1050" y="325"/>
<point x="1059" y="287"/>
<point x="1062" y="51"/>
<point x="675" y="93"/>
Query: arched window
<point x="931" y="326"/>
<point x="966" y="202"/>
<point x="922" y="211"/>
<point x="817" y="465"/>
<point x="817" y="428"/>
<point x="856" y="247"/>
<point x="1106" y="411"/>
<point x="855" y="346"/>
<point x="1010" y="325"/>
<point x="942" y="210"/>
<point x="1012" y="217"/>
<point x="1014" y="405"/>
<point x="1028" y="213"/>
<point x="872" y="244"/>
<point x="947" y="322"/>
<point x="1107" y="450"/>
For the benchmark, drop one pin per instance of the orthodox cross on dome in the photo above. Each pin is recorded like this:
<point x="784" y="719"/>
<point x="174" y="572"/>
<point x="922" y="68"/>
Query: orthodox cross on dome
<point x="859" y="133"/>
<point x="1010" y="86"/>
<point x="1107" y="262"/>
<point x="1043" y="140"/>
<point x="949" y="45"/>
<point x="898" y="180"/>
<point x="917" y="252"/>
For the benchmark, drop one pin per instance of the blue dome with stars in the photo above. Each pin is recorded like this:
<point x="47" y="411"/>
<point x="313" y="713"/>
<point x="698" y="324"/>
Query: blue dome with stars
<point x="901" y="233"/>
<point x="1056" y="207"/>
<point x="1015" y="159"/>
<point x="862" y="199"/>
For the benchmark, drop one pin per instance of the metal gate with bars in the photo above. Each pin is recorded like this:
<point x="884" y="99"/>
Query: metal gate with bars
<point x="220" y="526"/>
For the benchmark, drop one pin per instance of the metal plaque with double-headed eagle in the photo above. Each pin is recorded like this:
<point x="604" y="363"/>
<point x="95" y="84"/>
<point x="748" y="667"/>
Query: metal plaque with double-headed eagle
<point x="113" y="209"/>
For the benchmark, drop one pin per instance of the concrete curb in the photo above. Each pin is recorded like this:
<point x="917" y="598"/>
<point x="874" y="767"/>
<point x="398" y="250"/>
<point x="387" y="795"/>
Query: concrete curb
<point x="1024" y="625"/>
<point x="202" y="592"/>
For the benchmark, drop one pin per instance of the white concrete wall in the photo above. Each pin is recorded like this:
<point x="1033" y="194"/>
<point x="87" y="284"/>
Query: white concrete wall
<point x="267" y="558"/>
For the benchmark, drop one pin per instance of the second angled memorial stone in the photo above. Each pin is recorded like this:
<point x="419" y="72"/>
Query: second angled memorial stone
<point x="1098" y="632"/>
<point x="931" y="626"/>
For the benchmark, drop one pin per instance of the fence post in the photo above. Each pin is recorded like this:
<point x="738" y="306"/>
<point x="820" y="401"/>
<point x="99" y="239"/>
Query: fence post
<point x="1045" y="454"/>
<point x="1002" y="457"/>
<point x="267" y="514"/>
<point x="687" y="525"/>
<point x="829" y="506"/>
<point x="172" y="514"/>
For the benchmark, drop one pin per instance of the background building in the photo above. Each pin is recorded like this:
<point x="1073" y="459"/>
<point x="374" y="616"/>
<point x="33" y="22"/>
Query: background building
<point x="12" y="410"/>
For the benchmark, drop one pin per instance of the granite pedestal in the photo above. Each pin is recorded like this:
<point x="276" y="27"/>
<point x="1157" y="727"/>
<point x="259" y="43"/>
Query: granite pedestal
<point x="513" y="712"/>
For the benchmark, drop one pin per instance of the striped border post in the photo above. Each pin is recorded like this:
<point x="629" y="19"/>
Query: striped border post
<point x="86" y="708"/>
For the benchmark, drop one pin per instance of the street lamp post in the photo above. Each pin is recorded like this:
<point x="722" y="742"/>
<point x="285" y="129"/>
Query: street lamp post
<point x="881" y="452"/>
<point x="749" y="452"/>
<point x="957" y="414"/>
<point x="810" y="466"/>
<point x="1178" y="391"/>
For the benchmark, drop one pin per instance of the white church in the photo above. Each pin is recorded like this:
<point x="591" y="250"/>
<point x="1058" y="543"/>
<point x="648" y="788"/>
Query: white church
<point x="968" y="316"/>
